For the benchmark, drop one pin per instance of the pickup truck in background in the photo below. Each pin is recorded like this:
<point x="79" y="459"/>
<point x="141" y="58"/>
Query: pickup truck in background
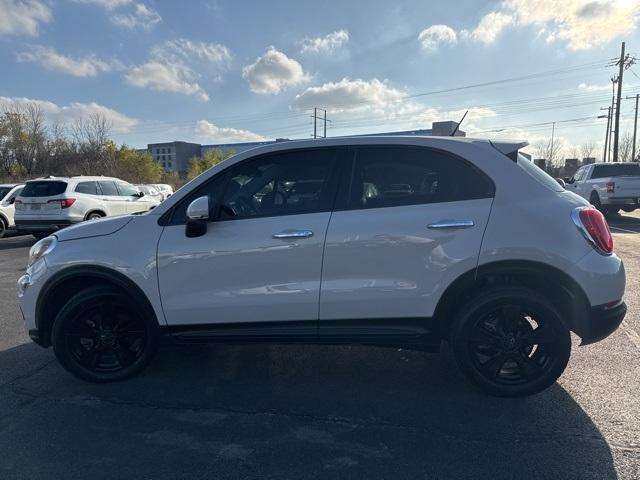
<point x="610" y="187"/>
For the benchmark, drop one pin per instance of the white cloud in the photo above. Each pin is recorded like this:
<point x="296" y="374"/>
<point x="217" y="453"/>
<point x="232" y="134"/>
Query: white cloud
<point x="348" y="95"/>
<point x="594" y="88"/>
<point x="141" y="16"/>
<point x="490" y="26"/>
<point x="23" y="17"/>
<point x="582" y="24"/>
<point x="273" y="73"/>
<point x="185" y="49"/>
<point x="327" y="44"/>
<point x="67" y="114"/>
<point x="127" y="13"/>
<point x="88" y="66"/>
<point x="166" y="78"/>
<point x="431" y="38"/>
<point x="210" y="132"/>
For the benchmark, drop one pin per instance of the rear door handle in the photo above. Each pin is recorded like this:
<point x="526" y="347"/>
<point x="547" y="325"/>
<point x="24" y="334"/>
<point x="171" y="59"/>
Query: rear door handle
<point x="293" y="234"/>
<point x="451" y="224"/>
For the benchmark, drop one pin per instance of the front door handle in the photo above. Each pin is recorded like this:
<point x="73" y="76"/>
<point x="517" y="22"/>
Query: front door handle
<point x="294" y="234"/>
<point x="451" y="224"/>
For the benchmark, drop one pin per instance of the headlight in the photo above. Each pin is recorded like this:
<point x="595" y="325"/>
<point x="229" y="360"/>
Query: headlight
<point x="41" y="248"/>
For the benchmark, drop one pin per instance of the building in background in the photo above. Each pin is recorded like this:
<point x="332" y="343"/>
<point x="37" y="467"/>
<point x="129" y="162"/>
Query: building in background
<point x="174" y="156"/>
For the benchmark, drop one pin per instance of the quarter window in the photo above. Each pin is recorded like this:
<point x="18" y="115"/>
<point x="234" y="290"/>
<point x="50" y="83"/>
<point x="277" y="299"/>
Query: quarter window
<point x="395" y="176"/>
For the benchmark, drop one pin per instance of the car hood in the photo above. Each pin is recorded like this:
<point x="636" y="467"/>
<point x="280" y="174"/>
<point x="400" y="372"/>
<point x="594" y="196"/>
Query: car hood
<point x="94" y="228"/>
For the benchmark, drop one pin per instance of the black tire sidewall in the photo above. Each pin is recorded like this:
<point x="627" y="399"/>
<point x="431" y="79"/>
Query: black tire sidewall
<point x="79" y="303"/>
<point x="489" y="299"/>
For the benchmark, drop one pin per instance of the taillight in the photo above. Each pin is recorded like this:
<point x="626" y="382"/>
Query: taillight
<point x="594" y="228"/>
<point x="611" y="186"/>
<point x="64" y="202"/>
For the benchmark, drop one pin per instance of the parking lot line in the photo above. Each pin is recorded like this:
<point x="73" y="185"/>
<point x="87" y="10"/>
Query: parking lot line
<point x="623" y="229"/>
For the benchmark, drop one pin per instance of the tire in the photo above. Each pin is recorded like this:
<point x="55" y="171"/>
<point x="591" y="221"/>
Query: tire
<point x="3" y="227"/>
<point x="494" y="341"/>
<point x="101" y="335"/>
<point x="594" y="199"/>
<point x="94" y="216"/>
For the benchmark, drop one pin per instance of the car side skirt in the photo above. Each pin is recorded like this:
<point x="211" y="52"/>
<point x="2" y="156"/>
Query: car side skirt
<point x="412" y="333"/>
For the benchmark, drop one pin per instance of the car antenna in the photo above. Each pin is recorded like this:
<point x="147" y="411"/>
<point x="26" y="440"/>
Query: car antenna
<point x="458" y="125"/>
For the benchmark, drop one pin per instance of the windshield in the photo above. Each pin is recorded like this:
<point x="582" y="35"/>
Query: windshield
<point x="616" y="170"/>
<point x="539" y="174"/>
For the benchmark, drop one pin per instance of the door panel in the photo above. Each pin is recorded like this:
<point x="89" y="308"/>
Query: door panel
<point x="387" y="263"/>
<point x="237" y="271"/>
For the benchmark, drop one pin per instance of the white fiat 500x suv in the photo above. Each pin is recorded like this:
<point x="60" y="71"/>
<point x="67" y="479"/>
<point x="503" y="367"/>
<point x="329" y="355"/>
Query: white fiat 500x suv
<point x="392" y="241"/>
<point x="48" y="204"/>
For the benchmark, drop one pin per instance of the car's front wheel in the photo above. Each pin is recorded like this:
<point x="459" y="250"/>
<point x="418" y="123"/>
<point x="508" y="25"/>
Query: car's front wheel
<point x="510" y="341"/>
<point x="101" y="335"/>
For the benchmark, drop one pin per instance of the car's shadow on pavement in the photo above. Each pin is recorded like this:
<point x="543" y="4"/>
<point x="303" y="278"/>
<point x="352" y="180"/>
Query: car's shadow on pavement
<point x="290" y="412"/>
<point x="12" y="241"/>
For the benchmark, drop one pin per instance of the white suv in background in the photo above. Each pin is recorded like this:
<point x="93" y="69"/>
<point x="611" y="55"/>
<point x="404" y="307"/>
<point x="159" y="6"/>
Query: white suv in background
<point x="388" y="241"/>
<point x="8" y="194"/>
<point x="165" y="190"/>
<point x="49" y="204"/>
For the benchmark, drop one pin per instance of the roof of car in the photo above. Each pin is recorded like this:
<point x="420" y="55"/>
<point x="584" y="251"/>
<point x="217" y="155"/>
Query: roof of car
<point x="53" y="178"/>
<point x="9" y="185"/>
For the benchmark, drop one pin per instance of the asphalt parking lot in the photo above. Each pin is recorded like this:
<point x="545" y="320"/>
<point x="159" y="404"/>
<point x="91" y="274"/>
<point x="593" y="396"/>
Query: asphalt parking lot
<point x="295" y="412"/>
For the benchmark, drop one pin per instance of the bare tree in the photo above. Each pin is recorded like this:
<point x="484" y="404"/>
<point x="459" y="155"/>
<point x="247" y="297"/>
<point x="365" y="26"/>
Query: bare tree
<point x="625" y="148"/>
<point x="587" y="149"/>
<point x="550" y="151"/>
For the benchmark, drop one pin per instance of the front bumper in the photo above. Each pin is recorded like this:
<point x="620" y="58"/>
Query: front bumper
<point x="44" y="225"/>
<point x="603" y="321"/>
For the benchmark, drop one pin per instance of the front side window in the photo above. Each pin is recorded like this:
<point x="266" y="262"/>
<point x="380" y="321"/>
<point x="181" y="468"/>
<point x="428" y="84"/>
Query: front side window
<point x="127" y="190"/>
<point x="285" y="183"/>
<point x="394" y="176"/>
<point x="89" y="188"/>
<point x="4" y="191"/>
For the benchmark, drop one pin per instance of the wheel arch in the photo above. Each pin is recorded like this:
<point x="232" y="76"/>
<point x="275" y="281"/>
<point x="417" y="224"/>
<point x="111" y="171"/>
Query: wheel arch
<point x="63" y="285"/>
<point x="562" y="290"/>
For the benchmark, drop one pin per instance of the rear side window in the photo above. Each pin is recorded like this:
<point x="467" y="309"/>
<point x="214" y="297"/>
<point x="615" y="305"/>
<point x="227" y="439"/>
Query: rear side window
<point x="108" y="188"/>
<point x="616" y="170"/>
<point x="43" y="189"/>
<point x="89" y="188"/>
<point x="394" y="176"/>
<point x="539" y="174"/>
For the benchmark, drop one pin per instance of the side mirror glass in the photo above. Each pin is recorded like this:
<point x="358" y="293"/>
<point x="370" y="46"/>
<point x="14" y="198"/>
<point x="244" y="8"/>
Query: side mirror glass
<point x="199" y="209"/>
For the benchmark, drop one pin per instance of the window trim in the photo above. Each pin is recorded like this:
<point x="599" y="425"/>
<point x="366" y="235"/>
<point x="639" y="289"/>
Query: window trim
<point x="348" y="203"/>
<point x="334" y="179"/>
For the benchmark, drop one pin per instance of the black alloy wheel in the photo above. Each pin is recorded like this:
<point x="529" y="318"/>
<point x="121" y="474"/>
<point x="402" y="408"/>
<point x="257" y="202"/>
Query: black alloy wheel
<point x="511" y="341"/>
<point x="100" y="336"/>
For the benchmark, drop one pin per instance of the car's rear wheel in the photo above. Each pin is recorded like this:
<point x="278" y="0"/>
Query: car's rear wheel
<point x="3" y="228"/>
<point x="510" y="341"/>
<point x="101" y="335"/>
<point x="94" y="216"/>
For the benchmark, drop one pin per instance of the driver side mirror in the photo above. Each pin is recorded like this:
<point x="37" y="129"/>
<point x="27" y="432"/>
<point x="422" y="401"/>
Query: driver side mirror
<point x="140" y="194"/>
<point x="569" y="180"/>
<point x="12" y="201"/>
<point x="197" y="217"/>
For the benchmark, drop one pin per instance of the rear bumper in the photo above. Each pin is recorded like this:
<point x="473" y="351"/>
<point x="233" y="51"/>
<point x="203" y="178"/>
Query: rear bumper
<point x="44" y="225"/>
<point x="603" y="321"/>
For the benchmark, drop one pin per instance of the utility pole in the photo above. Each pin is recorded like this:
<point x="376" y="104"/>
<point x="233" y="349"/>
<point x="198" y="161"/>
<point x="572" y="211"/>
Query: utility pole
<point x="606" y="134"/>
<point x="616" y="135"/>
<point x="553" y="131"/>
<point x="325" y="124"/>
<point x="315" y="121"/>
<point x="614" y="80"/>
<point x="635" y="128"/>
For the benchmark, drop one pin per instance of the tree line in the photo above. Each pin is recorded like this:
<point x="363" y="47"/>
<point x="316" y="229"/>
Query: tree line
<point x="31" y="147"/>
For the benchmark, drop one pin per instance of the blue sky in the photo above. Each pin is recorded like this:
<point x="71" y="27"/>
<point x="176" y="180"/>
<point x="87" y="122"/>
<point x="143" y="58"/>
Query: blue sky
<point x="224" y="71"/>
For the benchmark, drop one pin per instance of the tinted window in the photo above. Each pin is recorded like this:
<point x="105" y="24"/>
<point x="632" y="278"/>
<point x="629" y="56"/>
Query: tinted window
<point x="4" y="191"/>
<point x="616" y="170"/>
<point x="127" y="190"/>
<point x="393" y="176"/>
<point x="285" y="183"/>
<point x="90" y="188"/>
<point x="108" y="188"/>
<point x="43" y="189"/>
